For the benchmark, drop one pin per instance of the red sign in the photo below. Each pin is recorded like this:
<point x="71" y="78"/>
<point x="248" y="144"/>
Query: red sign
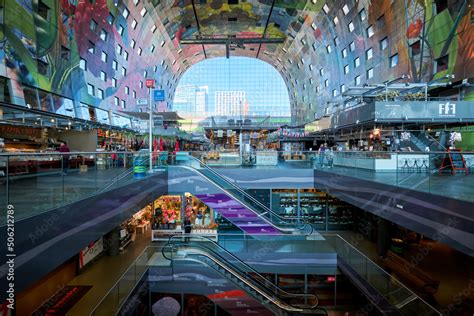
<point x="150" y="83"/>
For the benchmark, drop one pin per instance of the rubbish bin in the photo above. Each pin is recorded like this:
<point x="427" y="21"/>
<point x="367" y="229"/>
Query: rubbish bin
<point x="139" y="167"/>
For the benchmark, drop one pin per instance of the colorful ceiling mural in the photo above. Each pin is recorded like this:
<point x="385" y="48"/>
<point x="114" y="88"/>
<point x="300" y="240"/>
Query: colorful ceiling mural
<point x="100" y="52"/>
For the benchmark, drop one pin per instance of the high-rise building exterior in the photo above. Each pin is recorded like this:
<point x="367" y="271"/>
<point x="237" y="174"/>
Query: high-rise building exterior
<point x="201" y="101"/>
<point x="229" y="103"/>
<point x="185" y="100"/>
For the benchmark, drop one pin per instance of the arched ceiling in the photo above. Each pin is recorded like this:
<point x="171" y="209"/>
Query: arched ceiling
<point x="291" y="21"/>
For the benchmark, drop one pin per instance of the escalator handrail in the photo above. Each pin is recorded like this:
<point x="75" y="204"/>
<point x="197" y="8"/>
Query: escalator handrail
<point x="250" y="197"/>
<point x="207" y="239"/>
<point x="268" y="220"/>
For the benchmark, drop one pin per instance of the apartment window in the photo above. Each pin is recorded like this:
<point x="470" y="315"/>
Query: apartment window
<point x="357" y="80"/>
<point x="314" y="26"/>
<point x="155" y="68"/>
<point x="103" y="76"/>
<point x="321" y="72"/>
<point x="370" y="31"/>
<point x="65" y="53"/>
<point x="127" y="90"/>
<point x="352" y="46"/>
<point x="90" y="89"/>
<point x="303" y="42"/>
<point x="345" y="9"/>
<point x="123" y="104"/>
<point x="344" y="53"/>
<point x="132" y="43"/>
<point x="441" y="5"/>
<point x="326" y="83"/>
<point x="103" y="57"/>
<point x="140" y="84"/>
<point x="153" y="28"/>
<point x="114" y="82"/>
<point x="125" y="55"/>
<point x="145" y="73"/>
<point x="369" y="54"/>
<point x="139" y="51"/>
<point x="134" y="94"/>
<point x="335" y="20"/>
<point x="356" y="62"/>
<point x="116" y="101"/>
<point x="125" y="12"/>
<point x="363" y="15"/>
<point x="93" y="25"/>
<point x="370" y="73"/>
<point x="318" y="89"/>
<point x="43" y="10"/>
<point x="381" y="21"/>
<point x="119" y="49"/>
<point x="103" y="35"/>
<point x="329" y="49"/>
<point x="415" y="48"/>
<point x="114" y="64"/>
<point x="134" y="24"/>
<point x="120" y="29"/>
<point x="442" y="63"/>
<point x="311" y="67"/>
<point x="346" y="69"/>
<point x="393" y="60"/>
<point x="136" y="2"/>
<point x="162" y="43"/>
<point x="350" y="26"/>
<point x="100" y="93"/>
<point x="343" y="88"/>
<point x="334" y="93"/>
<point x="311" y="81"/>
<point x="110" y="18"/>
<point x="143" y="12"/>
<point x="384" y="43"/>
<point x="83" y="64"/>
<point x="326" y="8"/>
<point x="91" y="48"/>
<point x="152" y="49"/>
<point x="336" y="41"/>
<point x="43" y="67"/>
<point x="124" y="71"/>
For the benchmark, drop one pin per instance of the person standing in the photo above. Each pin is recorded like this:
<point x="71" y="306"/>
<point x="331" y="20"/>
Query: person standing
<point x="322" y="149"/>
<point x="63" y="148"/>
<point x="187" y="228"/>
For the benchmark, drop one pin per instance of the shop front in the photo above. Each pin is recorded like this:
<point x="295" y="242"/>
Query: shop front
<point x="170" y="211"/>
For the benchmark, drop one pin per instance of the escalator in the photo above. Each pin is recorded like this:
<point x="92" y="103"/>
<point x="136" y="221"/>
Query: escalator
<point x="205" y="251"/>
<point x="241" y="208"/>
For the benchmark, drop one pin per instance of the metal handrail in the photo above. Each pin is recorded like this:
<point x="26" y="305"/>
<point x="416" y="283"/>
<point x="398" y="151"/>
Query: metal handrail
<point x="250" y="197"/>
<point x="278" y="290"/>
<point x="375" y="264"/>
<point x="261" y="215"/>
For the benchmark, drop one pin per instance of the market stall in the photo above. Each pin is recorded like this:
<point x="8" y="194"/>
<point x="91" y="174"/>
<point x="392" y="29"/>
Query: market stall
<point x="171" y="210"/>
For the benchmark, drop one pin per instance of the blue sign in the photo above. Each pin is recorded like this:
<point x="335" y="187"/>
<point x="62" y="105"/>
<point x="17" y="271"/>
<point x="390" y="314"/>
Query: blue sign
<point x="158" y="95"/>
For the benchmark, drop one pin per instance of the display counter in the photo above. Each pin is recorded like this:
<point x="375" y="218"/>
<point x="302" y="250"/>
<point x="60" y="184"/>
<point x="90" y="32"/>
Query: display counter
<point x="380" y="161"/>
<point x="223" y="159"/>
<point x="266" y="158"/>
<point x="165" y="234"/>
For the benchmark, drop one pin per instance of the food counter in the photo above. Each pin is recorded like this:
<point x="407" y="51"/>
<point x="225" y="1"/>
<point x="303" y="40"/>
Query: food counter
<point x="266" y="158"/>
<point x="223" y="159"/>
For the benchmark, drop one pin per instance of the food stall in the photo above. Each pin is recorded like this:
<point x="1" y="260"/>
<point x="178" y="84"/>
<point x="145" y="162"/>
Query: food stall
<point x="170" y="212"/>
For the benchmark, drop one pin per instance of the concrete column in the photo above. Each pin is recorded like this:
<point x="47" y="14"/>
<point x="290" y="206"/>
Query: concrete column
<point x="383" y="237"/>
<point x="112" y="243"/>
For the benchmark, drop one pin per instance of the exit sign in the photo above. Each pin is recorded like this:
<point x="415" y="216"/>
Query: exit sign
<point x="150" y="83"/>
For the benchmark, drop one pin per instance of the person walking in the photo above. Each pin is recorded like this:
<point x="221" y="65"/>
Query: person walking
<point x="63" y="148"/>
<point x="322" y="149"/>
<point x="187" y="228"/>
